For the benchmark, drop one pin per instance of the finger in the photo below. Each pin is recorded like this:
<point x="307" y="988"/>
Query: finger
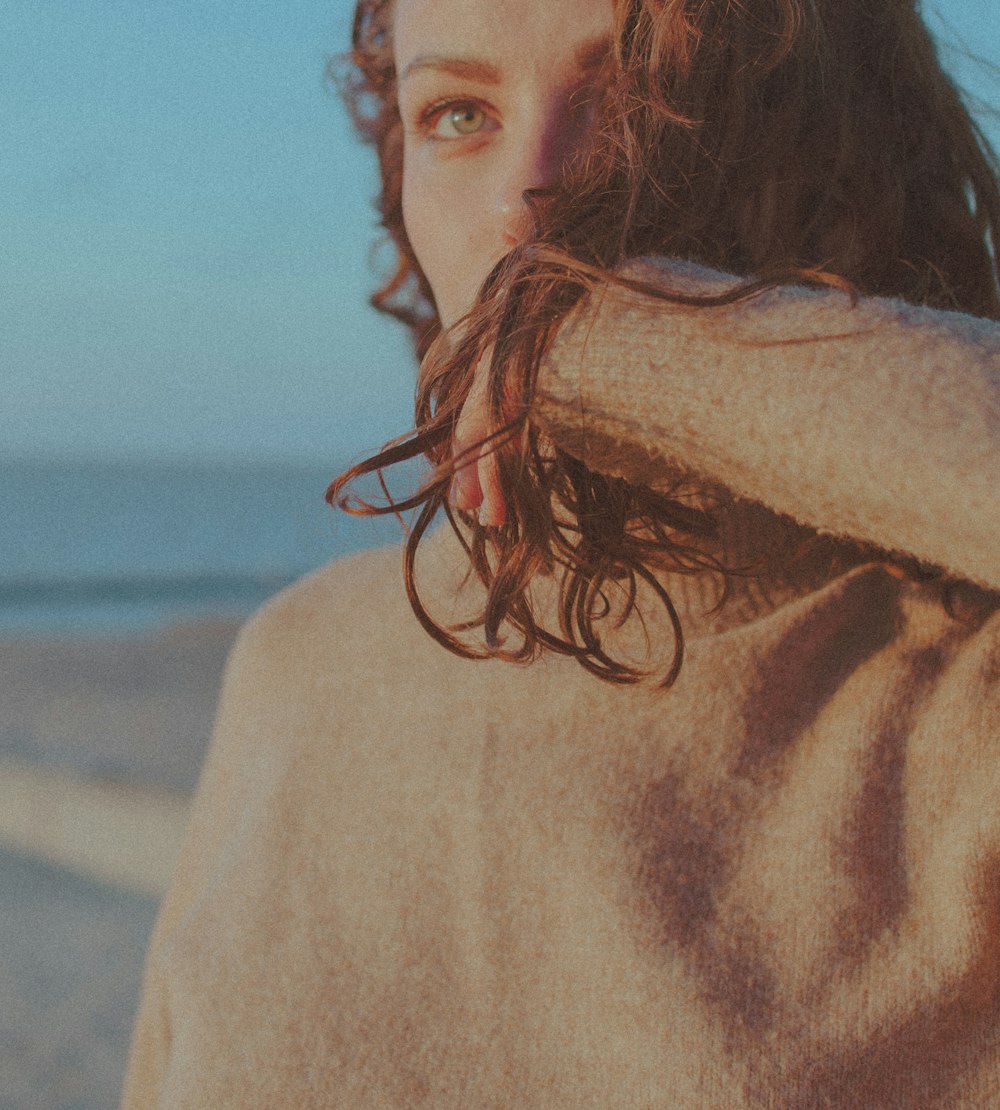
<point x="466" y="491"/>
<point x="493" y="510"/>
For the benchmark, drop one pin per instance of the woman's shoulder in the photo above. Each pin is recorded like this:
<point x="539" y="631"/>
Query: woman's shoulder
<point x="350" y="596"/>
<point x="332" y="691"/>
<point x="311" y="627"/>
<point x="336" y="647"/>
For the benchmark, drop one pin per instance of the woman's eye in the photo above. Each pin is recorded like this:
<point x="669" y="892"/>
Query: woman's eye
<point x="459" y="120"/>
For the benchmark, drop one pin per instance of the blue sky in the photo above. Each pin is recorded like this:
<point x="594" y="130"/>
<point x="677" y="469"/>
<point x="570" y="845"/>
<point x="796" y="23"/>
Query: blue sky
<point x="185" y="246"/>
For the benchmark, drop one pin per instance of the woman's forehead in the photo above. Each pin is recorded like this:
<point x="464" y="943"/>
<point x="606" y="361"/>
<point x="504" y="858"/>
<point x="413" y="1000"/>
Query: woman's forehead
<point x="497" y="30"/>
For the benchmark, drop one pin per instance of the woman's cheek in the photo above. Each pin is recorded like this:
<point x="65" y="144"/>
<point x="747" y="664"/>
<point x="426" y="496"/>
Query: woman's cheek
<point x="447" y="223"/>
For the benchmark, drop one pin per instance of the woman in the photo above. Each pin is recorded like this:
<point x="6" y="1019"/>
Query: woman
<point x="412" y="880"/>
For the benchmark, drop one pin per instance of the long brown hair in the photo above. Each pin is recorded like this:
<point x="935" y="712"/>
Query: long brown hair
<point x="783" y="139"/>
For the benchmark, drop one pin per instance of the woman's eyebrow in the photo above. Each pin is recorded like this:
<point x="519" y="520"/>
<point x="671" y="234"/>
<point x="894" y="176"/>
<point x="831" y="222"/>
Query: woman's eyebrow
<point x="469" y="69"/>
<point x="590" y="55"/>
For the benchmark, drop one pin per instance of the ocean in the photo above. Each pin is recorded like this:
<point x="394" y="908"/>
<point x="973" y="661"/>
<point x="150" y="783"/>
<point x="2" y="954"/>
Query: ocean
<point x="112" y="549"/>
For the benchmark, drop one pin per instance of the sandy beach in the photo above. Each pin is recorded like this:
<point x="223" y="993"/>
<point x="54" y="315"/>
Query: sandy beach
<point x="101" y="741"/>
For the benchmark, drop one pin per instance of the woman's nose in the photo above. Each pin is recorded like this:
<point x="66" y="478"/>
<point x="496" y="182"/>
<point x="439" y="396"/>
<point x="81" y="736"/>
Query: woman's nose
<point x="541" y="161"/>
<point x="515" y="218"/>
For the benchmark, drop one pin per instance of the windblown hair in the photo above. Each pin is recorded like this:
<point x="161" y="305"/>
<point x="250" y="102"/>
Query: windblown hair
<point x="784" y="140"/>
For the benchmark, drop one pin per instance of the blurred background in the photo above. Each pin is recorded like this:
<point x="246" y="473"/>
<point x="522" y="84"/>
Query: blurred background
<point x="187" y="244"/>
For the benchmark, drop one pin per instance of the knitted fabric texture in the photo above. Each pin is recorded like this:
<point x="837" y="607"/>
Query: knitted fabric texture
<point x="412" y="880"/>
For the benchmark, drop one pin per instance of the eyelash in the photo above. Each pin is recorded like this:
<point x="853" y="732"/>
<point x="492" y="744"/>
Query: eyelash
<point x="430" y="116"/>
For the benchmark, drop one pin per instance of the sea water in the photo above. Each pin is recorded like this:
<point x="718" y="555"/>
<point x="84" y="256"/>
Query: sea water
<point x="101" y="549"/>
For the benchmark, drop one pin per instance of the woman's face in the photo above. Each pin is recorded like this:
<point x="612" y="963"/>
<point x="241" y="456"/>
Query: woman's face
<point x="495" y="96"/>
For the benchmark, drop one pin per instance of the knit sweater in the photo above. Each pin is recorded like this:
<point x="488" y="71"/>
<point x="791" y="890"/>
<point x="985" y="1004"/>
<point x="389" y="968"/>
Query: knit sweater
<point x="412" y="880"/>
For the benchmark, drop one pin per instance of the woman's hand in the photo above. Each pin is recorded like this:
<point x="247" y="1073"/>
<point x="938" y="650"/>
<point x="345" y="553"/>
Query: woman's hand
<point x="476" y="485"/>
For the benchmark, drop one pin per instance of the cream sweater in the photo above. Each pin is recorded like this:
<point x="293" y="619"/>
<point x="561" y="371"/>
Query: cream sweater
<point x="416" y="881"/>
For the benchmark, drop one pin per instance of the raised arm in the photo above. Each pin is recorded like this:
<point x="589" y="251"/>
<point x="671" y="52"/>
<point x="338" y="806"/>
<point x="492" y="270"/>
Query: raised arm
<point x="879" y="421"/>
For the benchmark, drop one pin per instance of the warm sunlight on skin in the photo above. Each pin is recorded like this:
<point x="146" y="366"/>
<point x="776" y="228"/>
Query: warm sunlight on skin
<point x="495" y="97"/>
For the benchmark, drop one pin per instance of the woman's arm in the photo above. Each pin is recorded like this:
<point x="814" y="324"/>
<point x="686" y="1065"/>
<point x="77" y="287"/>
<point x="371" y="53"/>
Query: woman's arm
<point x="879" y="421"/>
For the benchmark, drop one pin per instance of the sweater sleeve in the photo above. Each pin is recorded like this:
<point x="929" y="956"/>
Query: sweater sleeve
<point x="878" y="421"/>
